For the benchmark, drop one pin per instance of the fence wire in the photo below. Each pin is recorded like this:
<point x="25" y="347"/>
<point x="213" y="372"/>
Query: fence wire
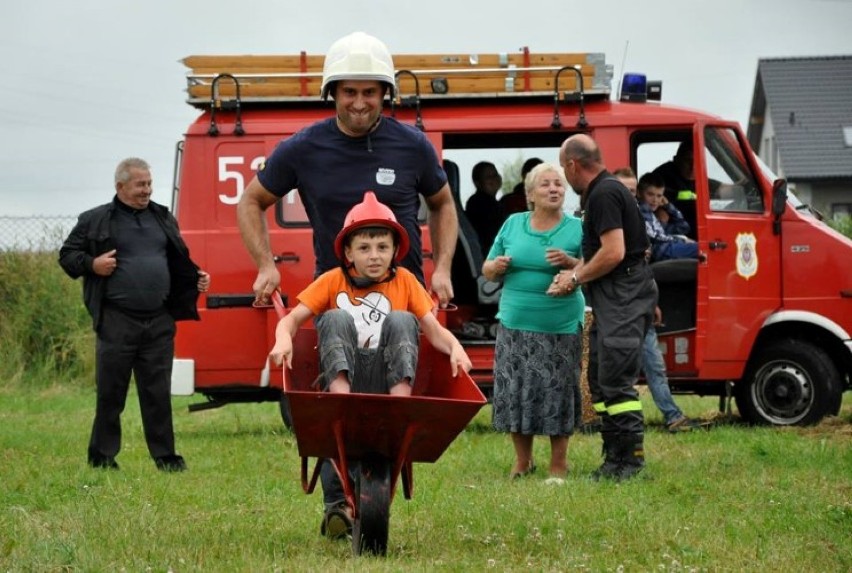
<point x="34" y="233"/>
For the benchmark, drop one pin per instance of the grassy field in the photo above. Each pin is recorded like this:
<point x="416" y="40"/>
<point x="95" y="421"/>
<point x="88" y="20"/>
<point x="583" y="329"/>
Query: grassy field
<point x="733" y="498"/>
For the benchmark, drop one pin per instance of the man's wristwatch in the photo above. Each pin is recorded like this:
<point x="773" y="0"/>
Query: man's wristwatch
<point x="575" y="282"/>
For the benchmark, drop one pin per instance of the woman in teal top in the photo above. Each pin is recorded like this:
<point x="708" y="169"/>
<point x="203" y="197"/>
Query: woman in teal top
<point x="538" y="349"/>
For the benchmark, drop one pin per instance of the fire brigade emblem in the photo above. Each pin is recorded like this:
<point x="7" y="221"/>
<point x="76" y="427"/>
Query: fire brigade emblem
<point x="746" y="255"/>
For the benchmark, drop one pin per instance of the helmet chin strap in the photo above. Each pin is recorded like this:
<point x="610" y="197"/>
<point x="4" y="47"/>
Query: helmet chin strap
<point x="365" y="282"/>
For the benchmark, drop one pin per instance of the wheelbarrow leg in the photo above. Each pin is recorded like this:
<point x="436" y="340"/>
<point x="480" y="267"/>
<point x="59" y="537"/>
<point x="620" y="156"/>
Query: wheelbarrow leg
<point x="372" y="516"/>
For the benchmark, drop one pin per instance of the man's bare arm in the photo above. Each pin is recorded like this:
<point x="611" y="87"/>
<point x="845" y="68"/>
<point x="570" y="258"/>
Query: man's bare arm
<point x="607" y="258"/>
<point x="444" y="232"/>
<point x="251" y="219"/>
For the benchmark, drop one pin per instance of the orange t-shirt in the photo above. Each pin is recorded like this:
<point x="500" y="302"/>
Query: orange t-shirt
<point x="368" y="306"/>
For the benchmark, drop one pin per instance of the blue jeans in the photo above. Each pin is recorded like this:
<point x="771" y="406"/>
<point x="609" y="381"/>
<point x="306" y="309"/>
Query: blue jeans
<point x="675" y="250"/>
<point x="655" y="376"/>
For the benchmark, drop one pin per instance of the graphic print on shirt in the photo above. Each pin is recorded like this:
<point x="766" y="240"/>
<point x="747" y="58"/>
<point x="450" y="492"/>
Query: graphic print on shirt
<point x="369" y="313"/>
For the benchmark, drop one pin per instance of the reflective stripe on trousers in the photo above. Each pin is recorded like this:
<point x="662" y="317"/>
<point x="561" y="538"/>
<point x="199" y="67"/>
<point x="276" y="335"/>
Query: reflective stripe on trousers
<point x="623" y="308"/>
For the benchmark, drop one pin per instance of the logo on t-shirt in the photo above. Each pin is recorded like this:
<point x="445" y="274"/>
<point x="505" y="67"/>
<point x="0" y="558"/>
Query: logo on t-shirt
<point x="369" y="313"/>
<point x="385" y="176"/>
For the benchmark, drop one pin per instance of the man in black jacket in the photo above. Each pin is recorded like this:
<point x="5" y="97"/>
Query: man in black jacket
<point x="138" y="280"/>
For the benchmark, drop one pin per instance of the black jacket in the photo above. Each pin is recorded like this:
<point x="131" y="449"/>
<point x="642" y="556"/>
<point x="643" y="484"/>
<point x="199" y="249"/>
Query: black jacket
<point x="92" y="236"/>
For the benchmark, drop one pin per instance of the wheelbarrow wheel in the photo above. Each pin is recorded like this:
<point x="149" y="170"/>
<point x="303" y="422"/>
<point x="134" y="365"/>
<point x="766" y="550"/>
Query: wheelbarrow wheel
<point x="372" y="493"/>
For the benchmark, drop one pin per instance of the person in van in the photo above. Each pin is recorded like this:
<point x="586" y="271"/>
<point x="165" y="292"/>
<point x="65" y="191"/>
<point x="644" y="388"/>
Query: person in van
<point x="678" y="176"/>
<point x="482" y="208"/>
<point x="666" y="227"/>
<point x="369" y="314"/>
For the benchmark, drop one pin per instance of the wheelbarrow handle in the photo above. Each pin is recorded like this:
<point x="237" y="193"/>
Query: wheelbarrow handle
<point x="278" y="303"/>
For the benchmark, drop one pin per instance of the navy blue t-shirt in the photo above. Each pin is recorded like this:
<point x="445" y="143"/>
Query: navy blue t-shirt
<point x="609" y="205"/>
<point x="332" y="171"/>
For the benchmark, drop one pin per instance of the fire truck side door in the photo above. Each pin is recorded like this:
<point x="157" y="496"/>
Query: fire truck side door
<point x="742" y="262"/>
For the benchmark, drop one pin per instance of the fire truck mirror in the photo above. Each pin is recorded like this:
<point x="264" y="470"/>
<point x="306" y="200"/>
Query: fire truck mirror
<point x="779" y="197"/>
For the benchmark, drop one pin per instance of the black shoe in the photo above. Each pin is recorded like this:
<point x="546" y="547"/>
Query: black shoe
<point x="173" y="463"/>
<point x="337" y="522"/>
<point x="103" y="462"/>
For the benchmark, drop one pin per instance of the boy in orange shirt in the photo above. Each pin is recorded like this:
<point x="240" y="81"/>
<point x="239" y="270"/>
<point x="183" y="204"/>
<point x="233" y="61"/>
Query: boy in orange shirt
<point x="369" y="311"/>
<point x="369" y="316"/>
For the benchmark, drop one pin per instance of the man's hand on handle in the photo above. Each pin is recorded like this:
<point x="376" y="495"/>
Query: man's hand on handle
<point x="442" y="286"/>
<point x="267" y="281"/>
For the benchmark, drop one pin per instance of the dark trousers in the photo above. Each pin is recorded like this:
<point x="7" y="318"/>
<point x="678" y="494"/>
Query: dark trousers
<point x="145" y="348"/>
<point x="623" y="308"/>
<point x="370" y="371"/>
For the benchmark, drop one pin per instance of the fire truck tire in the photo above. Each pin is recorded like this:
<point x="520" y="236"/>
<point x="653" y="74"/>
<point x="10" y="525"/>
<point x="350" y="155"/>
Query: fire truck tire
<point x="284" y="406"/>
<point x="789" y="382"/>
<point x="372" y="493"/>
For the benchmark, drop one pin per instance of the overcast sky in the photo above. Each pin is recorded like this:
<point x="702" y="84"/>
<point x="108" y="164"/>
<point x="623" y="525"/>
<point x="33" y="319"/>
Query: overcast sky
<point x="86" y="83"/>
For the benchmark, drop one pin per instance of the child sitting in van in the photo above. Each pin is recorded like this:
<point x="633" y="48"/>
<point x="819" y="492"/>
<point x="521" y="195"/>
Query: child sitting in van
<point x="664" y="223"/>
<point x="370" y="311"/>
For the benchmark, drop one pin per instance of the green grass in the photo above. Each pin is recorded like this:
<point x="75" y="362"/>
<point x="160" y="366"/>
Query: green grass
<point x="733" y="498"/>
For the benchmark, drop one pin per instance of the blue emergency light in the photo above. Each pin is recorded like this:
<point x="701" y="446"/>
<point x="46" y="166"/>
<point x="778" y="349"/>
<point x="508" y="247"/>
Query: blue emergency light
<point x="636" y="87"/>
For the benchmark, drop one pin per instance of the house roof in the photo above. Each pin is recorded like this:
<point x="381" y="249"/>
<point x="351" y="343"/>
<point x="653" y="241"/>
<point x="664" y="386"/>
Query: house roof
<point x="810" y="103"/>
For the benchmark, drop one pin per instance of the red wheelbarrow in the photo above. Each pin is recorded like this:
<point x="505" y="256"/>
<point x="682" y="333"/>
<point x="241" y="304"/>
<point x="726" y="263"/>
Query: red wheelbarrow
<point x="373" y="439"/>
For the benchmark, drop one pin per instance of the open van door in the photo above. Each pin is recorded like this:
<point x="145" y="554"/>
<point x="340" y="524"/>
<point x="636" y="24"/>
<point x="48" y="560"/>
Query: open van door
<point x="741" y="249"/>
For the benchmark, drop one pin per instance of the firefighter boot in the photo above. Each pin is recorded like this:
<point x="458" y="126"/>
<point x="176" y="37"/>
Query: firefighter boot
<point x="631" y="452"/>
<point x="612" y="462"/>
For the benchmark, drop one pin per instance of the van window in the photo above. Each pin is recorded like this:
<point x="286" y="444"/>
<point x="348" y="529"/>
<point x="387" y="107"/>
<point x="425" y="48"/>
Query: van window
<point x="290" y="212"/>
<point x="508" y="161"/>
<point x="732" y="183"/>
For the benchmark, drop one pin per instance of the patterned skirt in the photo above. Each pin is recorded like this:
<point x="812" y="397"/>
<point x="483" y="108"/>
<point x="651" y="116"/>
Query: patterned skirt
<point x="536" y="382"/>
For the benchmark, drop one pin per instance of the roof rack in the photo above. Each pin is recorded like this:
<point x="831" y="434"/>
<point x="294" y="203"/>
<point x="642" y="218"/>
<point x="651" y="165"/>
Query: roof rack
<point x="291" y="79"/>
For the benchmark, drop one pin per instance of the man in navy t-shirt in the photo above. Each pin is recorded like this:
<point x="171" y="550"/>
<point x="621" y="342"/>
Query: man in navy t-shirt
<point x="332" y="163"/>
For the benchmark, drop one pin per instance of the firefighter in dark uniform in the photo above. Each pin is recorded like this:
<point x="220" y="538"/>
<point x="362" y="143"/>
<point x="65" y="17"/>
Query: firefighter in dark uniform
<point x="622" y="294"/>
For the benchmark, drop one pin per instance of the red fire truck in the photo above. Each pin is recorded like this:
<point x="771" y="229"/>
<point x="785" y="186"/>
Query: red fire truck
<point x="764" y="315"/>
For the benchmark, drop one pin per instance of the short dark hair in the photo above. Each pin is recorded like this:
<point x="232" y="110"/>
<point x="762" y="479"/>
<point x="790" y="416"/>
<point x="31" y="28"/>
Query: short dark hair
<point x="479" y="169"/>
<point x="650" y="180"/>
<point x="528" y="165"/>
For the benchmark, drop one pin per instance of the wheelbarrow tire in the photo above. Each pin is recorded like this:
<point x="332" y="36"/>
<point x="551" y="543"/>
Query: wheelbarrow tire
<point x="372" y="493"/>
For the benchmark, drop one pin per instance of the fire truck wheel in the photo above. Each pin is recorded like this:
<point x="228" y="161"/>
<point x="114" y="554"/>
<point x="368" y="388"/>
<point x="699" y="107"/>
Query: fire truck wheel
<point x="284" y="406"/>
<point x="789" y="382"/>
<point x="372" y="493"/>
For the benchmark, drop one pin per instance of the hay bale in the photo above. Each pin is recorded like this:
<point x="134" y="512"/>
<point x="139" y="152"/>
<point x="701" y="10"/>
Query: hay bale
<point x="589" y="415"/>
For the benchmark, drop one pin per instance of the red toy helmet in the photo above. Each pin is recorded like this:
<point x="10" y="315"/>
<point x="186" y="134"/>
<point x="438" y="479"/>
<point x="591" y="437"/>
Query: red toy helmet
<point x="371" y="213"/>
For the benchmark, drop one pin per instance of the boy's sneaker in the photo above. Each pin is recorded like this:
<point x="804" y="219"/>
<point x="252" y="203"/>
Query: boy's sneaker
<point x="683" y="424"/>
<point x="337" y="522"/>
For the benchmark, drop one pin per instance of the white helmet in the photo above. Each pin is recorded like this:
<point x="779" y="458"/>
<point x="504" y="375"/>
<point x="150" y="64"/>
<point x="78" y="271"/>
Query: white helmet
<point x="357" y="56"/>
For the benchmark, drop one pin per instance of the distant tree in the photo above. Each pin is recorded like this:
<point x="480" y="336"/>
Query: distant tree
<point x="841" y="225"/>
<point x="511" y="173"/>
